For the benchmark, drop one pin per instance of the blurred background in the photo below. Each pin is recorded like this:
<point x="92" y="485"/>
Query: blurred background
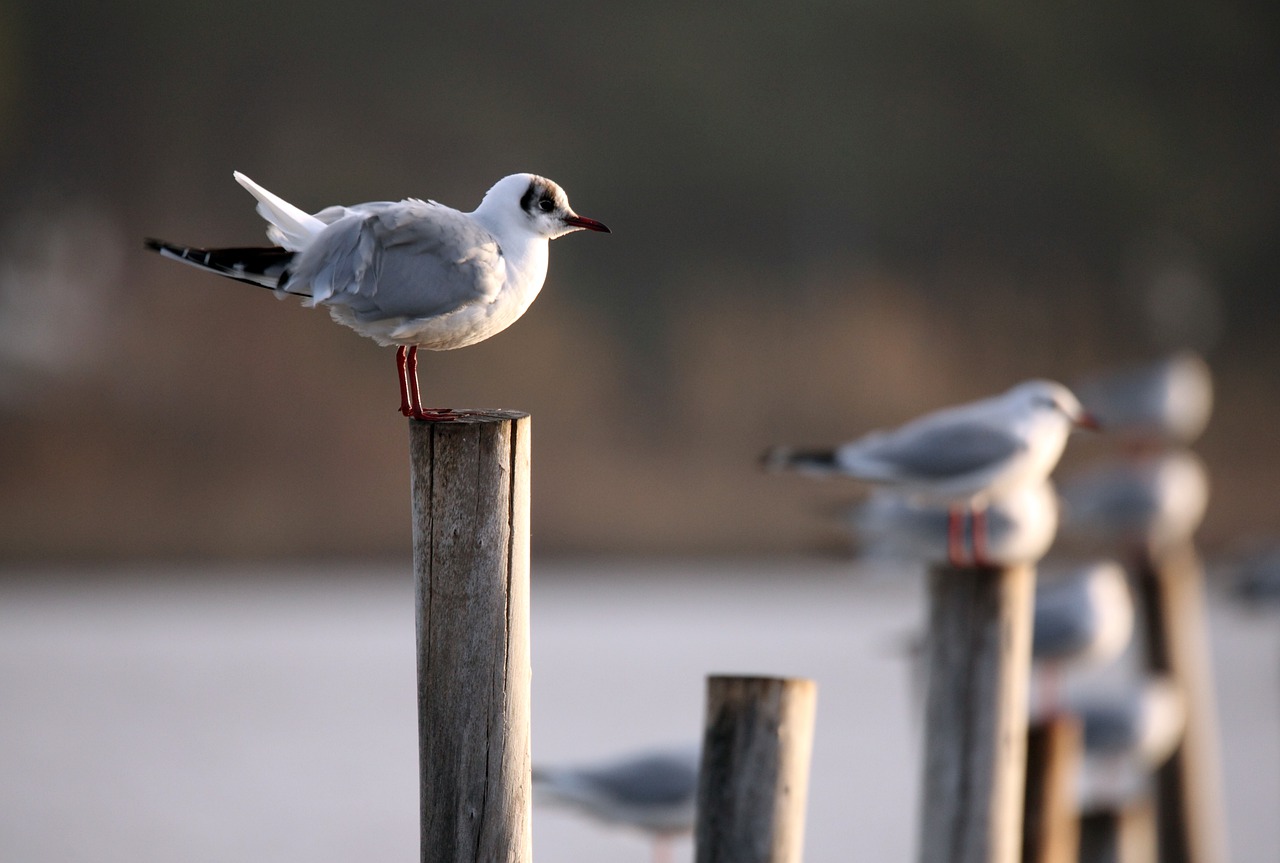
<point x="827" y="217"/>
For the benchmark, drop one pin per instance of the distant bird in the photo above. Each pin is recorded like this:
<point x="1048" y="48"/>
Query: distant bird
<point x="1127" y="735"/>
<point x="411" y="273"/>
<point x="1167" y="401"/>
<point x="1020" y="527"/>
<point x="1135" y="504"/>
<point x="1083" y="617"/>
<point x="654" y="792"/>
<point x="962" y="456"/>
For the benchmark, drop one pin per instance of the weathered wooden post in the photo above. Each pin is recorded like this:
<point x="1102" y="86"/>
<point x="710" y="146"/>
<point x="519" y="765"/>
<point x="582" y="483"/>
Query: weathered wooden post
<point x="1190" y="819"/>
<point x="1125" y="834"/>
<point x="754" y="778"/>
<point x="979" y="656"/>
<point x="470" y="484"/>
<point x="1051" y="818"/>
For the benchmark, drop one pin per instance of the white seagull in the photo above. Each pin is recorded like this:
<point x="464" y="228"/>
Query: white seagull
<point x="411" y="273"/>
<point x="962" y="456"/>
<point x="1020" y="527"/>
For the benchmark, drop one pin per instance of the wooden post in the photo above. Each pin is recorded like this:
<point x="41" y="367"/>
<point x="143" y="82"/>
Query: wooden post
<point x="1122" y="835"/>
<point x="1189" y="804"/>
<point x="471" y="561"/>
<point x="979" y="656"/>
<point x="754" y="777"/>
<point x="1051" y="819"/>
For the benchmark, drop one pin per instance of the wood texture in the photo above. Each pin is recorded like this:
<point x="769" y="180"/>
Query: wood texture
<point x="470" y="490"/>
<point x="979" y="653"/>
<point x="1051" y="818"/>
<point x="1189" y="802"/>
<point x="754" y="778"/>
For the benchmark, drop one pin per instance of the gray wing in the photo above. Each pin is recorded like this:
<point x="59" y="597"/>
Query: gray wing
<point x="931" y="451"/>
<point x="411" y="259"/>
<point x="654" y="780"/>
<point x="1064" y="621"/>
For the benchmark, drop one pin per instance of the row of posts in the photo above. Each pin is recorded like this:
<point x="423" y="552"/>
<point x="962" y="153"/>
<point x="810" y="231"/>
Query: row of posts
<point x="983" y="781"/>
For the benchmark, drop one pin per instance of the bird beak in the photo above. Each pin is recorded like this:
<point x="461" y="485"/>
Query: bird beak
<point x="576" y="221"/>
<point x="1087" y="420"/>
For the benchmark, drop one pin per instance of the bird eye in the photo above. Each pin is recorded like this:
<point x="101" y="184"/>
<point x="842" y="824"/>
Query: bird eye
<point x="546" y="205"/>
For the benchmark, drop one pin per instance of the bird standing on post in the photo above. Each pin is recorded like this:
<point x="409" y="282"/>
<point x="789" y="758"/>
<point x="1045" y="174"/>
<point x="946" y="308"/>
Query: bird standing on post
<point x="411" y="273"/>
<point x="962" y="456"/>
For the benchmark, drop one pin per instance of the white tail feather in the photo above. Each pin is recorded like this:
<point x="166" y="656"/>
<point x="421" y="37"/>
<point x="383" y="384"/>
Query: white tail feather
<point x="290" y="227"/>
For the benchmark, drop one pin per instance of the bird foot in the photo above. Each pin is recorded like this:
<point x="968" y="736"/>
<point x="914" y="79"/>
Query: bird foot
<point x="435" y="414"/>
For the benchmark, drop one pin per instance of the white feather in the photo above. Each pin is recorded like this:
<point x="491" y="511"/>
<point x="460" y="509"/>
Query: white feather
<point x="291" y="227"/>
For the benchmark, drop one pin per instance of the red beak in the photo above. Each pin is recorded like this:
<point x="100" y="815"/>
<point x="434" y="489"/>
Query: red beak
<point x="589" y="224"/>
<point x="1087" y="420"/>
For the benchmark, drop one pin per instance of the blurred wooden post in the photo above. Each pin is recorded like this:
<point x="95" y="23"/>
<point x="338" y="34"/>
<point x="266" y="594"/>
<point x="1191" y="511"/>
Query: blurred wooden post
<point x="979" y="656"/>
<point x="1123" y="835"/>
<point x="1051" y="819"/>
<point x="754" y="777"/>
<point x="1189" y="803"/>
<point x="470" y="485"/>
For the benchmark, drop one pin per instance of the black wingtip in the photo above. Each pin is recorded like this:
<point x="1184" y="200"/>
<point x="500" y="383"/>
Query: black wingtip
<point x="153" y="244"/>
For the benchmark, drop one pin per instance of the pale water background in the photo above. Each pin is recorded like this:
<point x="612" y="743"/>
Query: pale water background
<point x="195" y="716"/>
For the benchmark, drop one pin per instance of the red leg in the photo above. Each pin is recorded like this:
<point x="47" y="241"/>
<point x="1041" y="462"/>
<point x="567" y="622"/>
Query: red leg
<point x="411" y="377"/>
<point x="662" y="852"/>
<point x="980" y="557"/>
<point x="405" y="407"/>
<point x="955" y="536"/>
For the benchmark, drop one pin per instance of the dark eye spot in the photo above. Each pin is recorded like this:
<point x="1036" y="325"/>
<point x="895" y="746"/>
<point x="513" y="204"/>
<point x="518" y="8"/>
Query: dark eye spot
<point x="546" y="205"/>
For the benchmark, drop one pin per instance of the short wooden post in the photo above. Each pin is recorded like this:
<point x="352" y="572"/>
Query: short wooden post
<point x="979" y="656"/>
<point x="754" y="778"/>
<point x="470" y="480"/>
<point x="1122" y="835"/>
<point x="1189" y="803"/>
<point x="1051" y="819"/>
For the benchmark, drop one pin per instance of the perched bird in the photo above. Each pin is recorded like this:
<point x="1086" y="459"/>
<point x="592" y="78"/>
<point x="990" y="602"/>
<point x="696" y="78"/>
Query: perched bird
<point x="1127" y="735"/>
<point x="1084" y="615"/>
<point x="1082" y="618"/>
<point x="1148" y="503"/>
<point x="1168" y="401"/>
<point x="962" y="456"/>
<point x="1020" y="527"/>
<point x="654" y="792"/>
<point x="411" y="273"/>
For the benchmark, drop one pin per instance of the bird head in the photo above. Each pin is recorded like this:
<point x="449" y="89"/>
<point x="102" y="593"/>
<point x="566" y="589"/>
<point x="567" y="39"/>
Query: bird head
<point x="534" y="205"/>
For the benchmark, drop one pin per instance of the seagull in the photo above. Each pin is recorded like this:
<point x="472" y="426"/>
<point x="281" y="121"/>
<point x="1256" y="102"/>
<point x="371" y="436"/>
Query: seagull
<point x="1127" y="735"/>
<point x="1020" y="527"/>
<point x="1148" y="503"/>
<point x="411" y="273"/>
<point x="655" y="792"/>
<point x="962" y="456"/>
<point x="1083" y="618"/>
<point x="1167" y="401"/>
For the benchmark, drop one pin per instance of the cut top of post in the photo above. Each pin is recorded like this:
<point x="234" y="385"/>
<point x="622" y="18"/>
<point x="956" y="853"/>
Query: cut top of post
<point x="473" y="415"/>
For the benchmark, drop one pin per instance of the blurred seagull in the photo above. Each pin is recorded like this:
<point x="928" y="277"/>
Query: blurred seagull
<point x="1167" y="401"/>
<point x="654" y="792"/>
<point x="1083" y="617"/>
<point x="1020" y="527"/>
<point x="962" y="456"/>
<point x="1146" y="504"/>
<point x="411" y="273"/>
<point x="1127" y="735"/>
